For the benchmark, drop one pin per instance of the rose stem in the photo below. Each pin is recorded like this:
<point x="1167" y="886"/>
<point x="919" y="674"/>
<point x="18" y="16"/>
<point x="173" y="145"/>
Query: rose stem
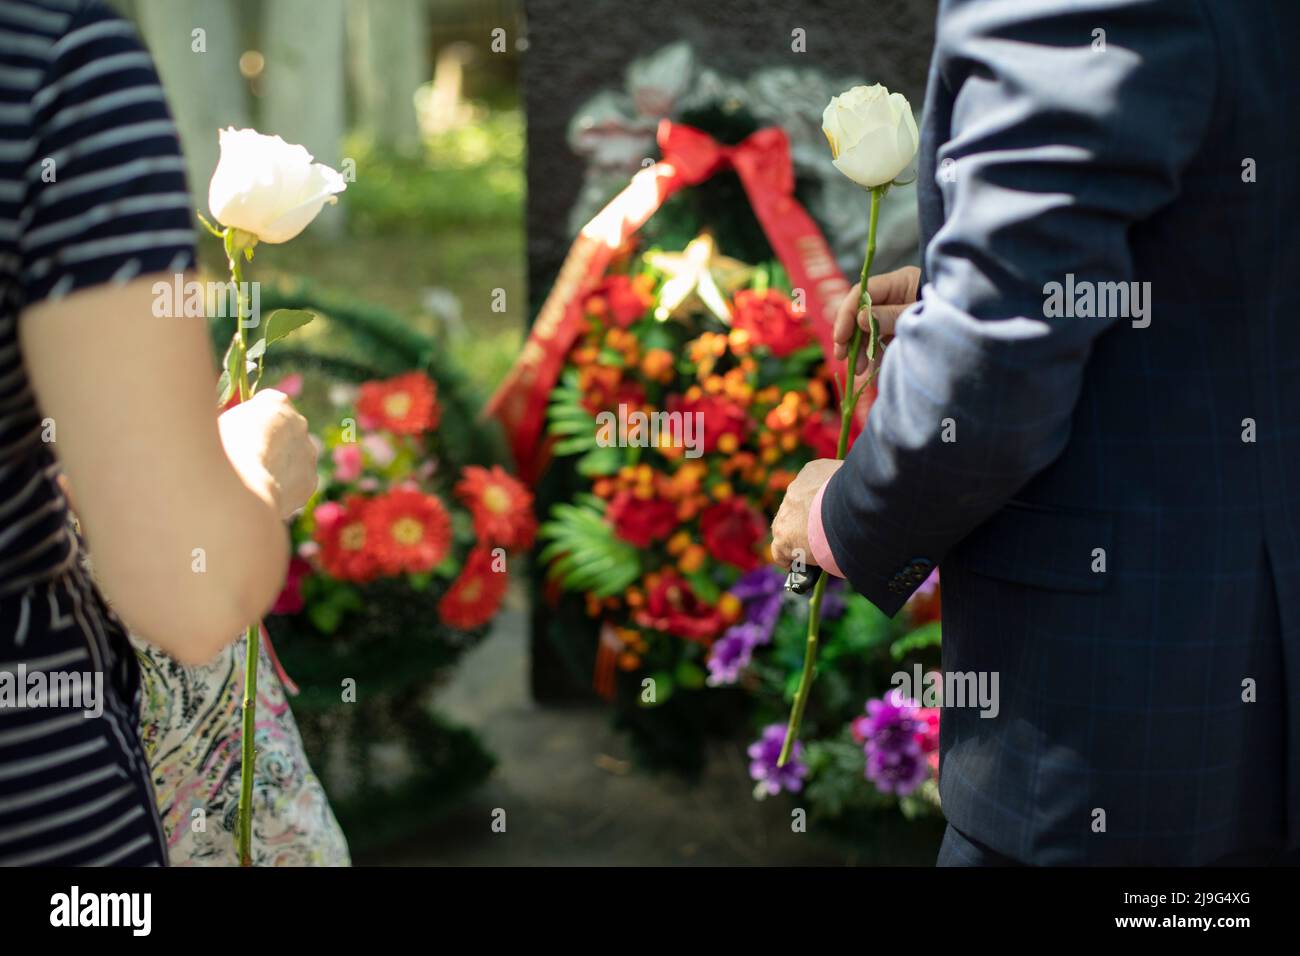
<point x="848" y="404"/>
<point x="247" y="748"/>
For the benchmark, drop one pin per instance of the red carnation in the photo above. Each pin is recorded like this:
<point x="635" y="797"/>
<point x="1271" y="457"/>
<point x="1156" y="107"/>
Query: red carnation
<point x="640" y="521"/>
<point x="672" y="607"/>
<point x="731" y="530"/>
<point x="768" y="319"/>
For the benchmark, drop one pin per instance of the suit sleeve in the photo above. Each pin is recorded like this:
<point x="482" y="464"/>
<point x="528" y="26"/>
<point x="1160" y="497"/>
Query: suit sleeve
<point x="1058" y="147"/>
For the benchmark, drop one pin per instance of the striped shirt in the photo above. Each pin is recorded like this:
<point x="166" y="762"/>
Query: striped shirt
<point x="92" y="191"/>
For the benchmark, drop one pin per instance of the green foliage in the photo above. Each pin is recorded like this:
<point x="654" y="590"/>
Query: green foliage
<point x="376" y="343"/>
<point x="925" y="636"/>
<point x="836" y="783"/>
<point x="569" y="418"/>
<point x="468" y="176"/>
<point x="328" y="601"/>
<point x="278" y="324"/>
<point x="861" y="630"/>
<point x="583" y="553"/>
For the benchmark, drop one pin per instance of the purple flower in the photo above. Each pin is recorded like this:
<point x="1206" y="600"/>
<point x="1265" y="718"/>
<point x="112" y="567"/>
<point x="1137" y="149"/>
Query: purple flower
<point x="759" y="592"/>
<point x="892" y="730"/>
<point x="892" y="721"/>
<point x="729" y="655"/>
<point x="761" y="582"/>
<point x="896" y="771"/>
<point x="763" y="755"/>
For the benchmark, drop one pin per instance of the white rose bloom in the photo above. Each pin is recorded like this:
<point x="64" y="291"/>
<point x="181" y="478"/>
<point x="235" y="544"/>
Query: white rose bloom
<point x="872" y="134"/>
<point x="267" y="187"/>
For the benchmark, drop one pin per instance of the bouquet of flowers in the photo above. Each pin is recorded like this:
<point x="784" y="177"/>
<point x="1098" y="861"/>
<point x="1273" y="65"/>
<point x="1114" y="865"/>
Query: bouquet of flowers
<point x="687" y="411"/>
<point x="401" y="561"/>
<point x="690" y="401"/>
<point x="865" y="745"/>
<point x="391" y="510"/>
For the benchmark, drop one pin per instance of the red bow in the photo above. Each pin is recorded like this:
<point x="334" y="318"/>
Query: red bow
<point x="762" y="159"/>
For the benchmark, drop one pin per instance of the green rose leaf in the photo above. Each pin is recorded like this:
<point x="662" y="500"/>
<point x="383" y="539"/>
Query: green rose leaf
<point x="282" y="322"/>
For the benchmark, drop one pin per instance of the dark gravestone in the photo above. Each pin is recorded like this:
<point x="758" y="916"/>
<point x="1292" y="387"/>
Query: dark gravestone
<point x="577" y="48"/>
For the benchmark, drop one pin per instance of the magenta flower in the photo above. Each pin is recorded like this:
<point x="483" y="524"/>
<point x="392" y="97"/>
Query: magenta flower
<point x="763" y="755"/>
<point x="897" y="734"/>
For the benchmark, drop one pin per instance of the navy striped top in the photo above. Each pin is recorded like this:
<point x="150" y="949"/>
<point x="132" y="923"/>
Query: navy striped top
<point x="92" y="191"/>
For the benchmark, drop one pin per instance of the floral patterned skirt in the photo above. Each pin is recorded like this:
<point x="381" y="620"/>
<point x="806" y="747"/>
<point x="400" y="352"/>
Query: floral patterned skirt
<point x="190" y="721"/>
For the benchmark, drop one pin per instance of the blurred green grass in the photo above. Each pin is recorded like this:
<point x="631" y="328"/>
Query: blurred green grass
<point x="450" y="218"/>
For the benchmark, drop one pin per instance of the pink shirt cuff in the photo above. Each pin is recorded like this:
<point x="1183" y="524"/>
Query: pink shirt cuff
<point x="817" y="543"/>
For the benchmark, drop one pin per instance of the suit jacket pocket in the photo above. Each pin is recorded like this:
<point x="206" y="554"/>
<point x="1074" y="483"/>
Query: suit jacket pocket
<point x="1041" y="547"/>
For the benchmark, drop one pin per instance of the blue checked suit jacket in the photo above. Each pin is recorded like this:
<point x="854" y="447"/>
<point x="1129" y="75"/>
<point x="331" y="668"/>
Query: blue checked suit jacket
<point x="1117" y="508"/>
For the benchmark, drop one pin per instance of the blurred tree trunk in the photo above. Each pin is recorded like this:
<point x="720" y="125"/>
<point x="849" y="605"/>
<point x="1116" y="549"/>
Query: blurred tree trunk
<point x="303" y="42"/>
<point x="200" y="74"/>
<point x="390" y="61"/>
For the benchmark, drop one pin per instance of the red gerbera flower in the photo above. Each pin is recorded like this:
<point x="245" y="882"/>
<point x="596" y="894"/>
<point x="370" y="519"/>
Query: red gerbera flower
<point x="344" y="540"/>
<point x="672" y="607"/>
<point x="640" y="521"/>
<point x="407" y="404"/>
<point x="731" y="530"/>
<point x="474" y="597"/>
<point x="407" y="531"/>
<point x="501" y="505"/>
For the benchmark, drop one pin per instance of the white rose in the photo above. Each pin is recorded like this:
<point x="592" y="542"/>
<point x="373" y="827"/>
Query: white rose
<point x="872" y="134"/>
<point x="267" y="187"/>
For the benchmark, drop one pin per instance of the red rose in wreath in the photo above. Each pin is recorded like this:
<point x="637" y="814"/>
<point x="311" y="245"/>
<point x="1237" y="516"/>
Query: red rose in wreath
<point x="720" y="416"/>
<point x="641" y="521"/>
<point x="768" y="318"/>
<point x="821" y="433"/>
<point x="731" y="530"/>
<point x="672" y="607"/>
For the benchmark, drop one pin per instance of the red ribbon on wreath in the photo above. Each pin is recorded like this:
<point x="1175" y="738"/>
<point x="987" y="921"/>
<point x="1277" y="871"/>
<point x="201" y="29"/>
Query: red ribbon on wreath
<point x="690" y="156"/>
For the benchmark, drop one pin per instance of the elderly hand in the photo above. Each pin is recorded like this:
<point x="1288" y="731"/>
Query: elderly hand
<point x="790" y="526"/>
<point x="892" y="293"/>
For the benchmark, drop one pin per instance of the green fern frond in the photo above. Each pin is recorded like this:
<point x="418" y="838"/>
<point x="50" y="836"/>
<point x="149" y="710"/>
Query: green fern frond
<point x="582" y="553"/>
